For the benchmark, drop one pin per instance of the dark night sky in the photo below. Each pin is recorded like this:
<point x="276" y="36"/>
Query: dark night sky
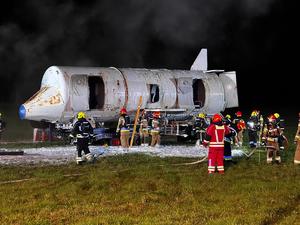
<point x="256" y="38"/>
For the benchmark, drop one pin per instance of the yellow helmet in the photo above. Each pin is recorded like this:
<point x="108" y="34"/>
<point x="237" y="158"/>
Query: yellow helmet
<point x="201" y="115"/>
<point x="0" y="114"/>
<point x="254" y="113"/>
<point x="80" y="115"/>
<point x="276" y="115"/>
<point x="228" y="116"/>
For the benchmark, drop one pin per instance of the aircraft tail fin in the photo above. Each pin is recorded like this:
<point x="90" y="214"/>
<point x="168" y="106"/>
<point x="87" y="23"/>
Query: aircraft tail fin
<point x="201" y="61"/>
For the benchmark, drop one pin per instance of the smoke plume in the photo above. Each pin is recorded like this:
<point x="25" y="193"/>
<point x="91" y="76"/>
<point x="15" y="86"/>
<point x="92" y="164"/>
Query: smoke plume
<point x="135" y="33"/>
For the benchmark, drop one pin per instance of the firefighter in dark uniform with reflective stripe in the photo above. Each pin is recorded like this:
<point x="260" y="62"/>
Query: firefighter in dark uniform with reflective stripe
<point x="253" y="127"/>
<point x="282" y="140"/>
<point x="228" y="139"/>
<point x="123" y="128"/>
<point x="200" y="125"/>
<point x="83" y="131"/>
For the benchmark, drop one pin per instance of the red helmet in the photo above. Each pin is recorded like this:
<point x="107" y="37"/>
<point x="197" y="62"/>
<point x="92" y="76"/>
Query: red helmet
<point x="272" y="119"/>
<point x="238" y="114"/>
<point x="216" y="118"/>
<point x="156" y="114"/>
<point x="123" y="111"/>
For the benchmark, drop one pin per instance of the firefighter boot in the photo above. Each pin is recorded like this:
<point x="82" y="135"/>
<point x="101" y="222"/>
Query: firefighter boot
<point x="79" y="160"/>
<point x="277" y="159"/>
<point x="90" y="157"/>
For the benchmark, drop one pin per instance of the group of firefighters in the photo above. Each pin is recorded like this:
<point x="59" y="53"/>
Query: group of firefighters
<point x="148" y="125"/>
<point x="83" y="131"/>
<point x="270" y="135"/>
<point x="217" y="132"/>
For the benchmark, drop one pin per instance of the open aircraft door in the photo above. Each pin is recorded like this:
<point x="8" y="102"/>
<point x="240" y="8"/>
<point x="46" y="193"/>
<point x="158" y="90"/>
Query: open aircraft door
<point x="80" y="93"/>
<point x="230" y="89"/>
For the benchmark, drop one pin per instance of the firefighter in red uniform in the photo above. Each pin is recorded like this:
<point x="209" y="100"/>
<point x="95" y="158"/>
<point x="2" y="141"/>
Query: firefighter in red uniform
<point x="215" y="134"/>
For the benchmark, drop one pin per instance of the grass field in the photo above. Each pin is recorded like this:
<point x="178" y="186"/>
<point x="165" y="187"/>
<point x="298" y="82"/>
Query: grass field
<point x="139" y="189"/>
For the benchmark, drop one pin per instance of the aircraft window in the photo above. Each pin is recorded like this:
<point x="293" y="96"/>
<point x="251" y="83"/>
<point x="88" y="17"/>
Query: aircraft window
<point x="154" y="93"/>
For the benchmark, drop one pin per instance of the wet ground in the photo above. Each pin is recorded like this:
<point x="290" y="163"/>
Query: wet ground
<point x="64" y="155"/>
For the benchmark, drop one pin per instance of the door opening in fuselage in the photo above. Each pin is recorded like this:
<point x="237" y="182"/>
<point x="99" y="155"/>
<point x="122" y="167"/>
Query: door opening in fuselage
<point x="198" y="93"/>
<point x="154" y="93"/>
<point x="96" y="98"/>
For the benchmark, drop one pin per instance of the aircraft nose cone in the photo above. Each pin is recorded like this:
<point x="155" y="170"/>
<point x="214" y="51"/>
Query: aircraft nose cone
<point x="22" y="112"/>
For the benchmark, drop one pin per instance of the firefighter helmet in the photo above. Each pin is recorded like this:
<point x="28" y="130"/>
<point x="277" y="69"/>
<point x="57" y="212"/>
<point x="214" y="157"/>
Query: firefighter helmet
<point x="272" y="119"/>
<point x="156" y="114"/>
<point x="217" y="118"/>
<point x="254" y="113"/>
<point x="276" y="115"/>
<point x="123" y="111"/>
<point x="201" y="115"/>
<point x="228" y="117"/>
<point x="80" y="115"/>
<point x="238" y="114"/>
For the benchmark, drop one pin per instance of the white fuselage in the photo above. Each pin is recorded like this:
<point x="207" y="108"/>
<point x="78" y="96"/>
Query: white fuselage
<point x="101" y="92"/>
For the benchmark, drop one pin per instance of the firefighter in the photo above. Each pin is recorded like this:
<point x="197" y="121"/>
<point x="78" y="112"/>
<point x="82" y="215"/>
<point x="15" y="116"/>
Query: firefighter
<point x="297" y="141"/>
<point x="200" y="126"/>
<point x="228" y="139"/>
<point x="144" y="129"/>
<point x="155" y="129"/>
<point x="282" y="139"/>
<point x="123" y="127"/>
<point x="215" y="140"/>
<point x="227" y="120"/>
<point x="261" y="128"/>
<point x="253" y="128"/>
<point x="239" y="125"/>
<point x="279" y="121"/>
<point x="2" y="125"/>
<point x="83" y="131"/>
<point x="271" y="134"/>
